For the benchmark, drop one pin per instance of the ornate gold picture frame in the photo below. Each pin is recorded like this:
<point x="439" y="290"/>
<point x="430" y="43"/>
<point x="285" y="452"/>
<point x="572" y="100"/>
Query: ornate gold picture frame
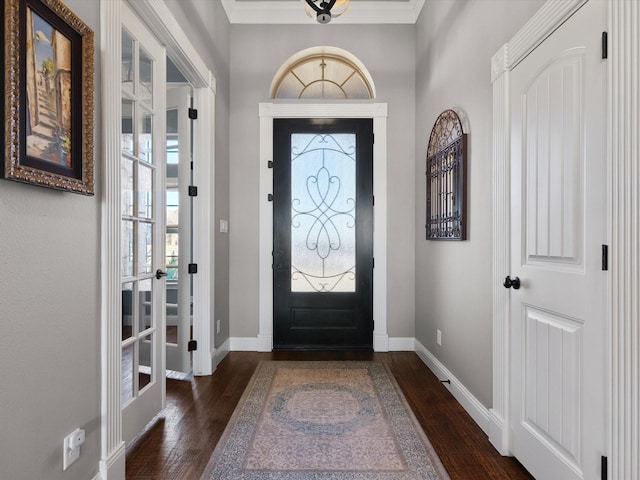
<point x="49" y="87"/>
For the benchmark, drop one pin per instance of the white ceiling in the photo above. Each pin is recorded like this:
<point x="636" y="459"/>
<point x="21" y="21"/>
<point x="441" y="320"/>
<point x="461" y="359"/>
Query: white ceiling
<point x="292" y="11"/>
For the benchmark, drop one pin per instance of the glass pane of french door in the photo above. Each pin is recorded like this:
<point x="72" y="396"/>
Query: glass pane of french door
<point x="142" y="221"/>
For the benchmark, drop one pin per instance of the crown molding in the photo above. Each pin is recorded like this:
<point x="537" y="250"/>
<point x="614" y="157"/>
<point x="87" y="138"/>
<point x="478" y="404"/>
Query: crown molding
<point x="292" y="12"/>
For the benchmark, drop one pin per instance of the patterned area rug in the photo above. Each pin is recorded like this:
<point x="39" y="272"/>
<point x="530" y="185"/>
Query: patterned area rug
<point x="323" y="421"/>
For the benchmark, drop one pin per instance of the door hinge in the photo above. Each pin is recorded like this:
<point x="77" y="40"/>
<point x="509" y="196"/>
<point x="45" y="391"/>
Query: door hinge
<point x="605" y="257"/>
<point x="193" y="191"/>
<point x="270" y="197"/>
<point x="192" y="345"/>
<point x="270" y="164"/>
<point x="373" y="263"/>
<point x="193" y="268"/>
<point x="374" y="201"/>
<point x="605" y="45"/>
<point x="604" y="468"/>
<point x="193" y="114"/>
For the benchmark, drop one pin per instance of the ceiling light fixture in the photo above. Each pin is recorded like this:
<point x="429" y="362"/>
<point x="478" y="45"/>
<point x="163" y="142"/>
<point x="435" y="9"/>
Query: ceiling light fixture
<point x="322" y="9"/>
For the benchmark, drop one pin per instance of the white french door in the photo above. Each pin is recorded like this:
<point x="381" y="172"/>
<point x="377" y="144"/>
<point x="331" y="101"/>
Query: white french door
<point x="179" y="228"/>
<point x="142" y="168"/>
<point x="558" y="220"/>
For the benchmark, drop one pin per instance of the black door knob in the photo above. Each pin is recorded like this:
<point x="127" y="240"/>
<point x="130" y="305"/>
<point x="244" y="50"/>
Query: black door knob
<point x="509" y="282"/>
<point x="160" y="274"/>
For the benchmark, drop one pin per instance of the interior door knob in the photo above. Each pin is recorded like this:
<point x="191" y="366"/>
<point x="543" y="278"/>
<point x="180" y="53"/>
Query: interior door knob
<point x="509" y="282"/>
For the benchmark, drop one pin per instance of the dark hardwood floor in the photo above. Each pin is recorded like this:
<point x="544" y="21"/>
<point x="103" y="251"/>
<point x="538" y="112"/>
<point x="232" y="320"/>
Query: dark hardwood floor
<point x="178" y="445"/>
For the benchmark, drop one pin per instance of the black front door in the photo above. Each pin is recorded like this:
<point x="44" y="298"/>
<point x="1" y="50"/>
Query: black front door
<point x="323" y="233"/>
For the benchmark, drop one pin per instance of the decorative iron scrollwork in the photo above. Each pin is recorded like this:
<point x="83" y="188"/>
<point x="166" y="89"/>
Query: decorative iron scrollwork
<point x="325" y="214"/>
<point x="446" y="179"/>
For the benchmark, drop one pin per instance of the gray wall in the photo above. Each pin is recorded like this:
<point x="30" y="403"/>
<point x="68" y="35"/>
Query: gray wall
<point x="257" y="51"/>
<point x="50" y="319"/>
<point x="207" y="27"/>
<point x="50" y="285"/>
<point x="455" y="43"/>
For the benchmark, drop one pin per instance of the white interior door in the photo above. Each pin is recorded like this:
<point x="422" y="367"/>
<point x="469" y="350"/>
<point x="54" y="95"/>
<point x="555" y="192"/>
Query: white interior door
<point x="558" y="219"/>
<point x="178" y="235"/>
<point x="143" y="225"/>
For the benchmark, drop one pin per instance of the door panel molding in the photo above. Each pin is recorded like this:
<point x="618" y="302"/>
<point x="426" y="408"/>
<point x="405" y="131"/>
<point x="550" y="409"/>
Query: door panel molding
<point x="376" y="111"/>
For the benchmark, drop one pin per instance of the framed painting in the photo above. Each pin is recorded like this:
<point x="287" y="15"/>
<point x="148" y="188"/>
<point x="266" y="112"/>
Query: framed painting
<point x="49" y="87"/>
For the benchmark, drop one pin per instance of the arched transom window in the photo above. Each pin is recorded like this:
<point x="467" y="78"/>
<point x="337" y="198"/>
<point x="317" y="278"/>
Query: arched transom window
<point x="323" y="73"/>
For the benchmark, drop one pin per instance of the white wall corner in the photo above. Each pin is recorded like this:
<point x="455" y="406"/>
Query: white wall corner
<point x="402" y="344"/>
<point x="113" y="467"/>
<point x="469" y="402"/>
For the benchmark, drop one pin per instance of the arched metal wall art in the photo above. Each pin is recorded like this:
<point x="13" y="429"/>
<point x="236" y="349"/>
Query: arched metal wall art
<point x="447" y="179"/>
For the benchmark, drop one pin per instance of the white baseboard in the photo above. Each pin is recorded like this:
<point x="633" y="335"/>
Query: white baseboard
<point x="113" y="467"/>
<point x="471" y="404"/>
<point x="243" y="344"/>
<point x="402" y="344"/>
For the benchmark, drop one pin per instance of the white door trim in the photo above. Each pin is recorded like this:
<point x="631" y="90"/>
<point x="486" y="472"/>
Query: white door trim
<point x="624" y="263"/>
<point x="376" y="111"/>
<point x="550" y="16"/>
<point x="112" y="458"/>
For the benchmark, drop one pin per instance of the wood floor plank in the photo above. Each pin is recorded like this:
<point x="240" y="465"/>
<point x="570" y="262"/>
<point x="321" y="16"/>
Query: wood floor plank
<point x="177" y="446"/>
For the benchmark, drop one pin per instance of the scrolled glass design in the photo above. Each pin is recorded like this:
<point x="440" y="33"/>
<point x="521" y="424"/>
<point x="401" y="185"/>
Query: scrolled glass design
<point x="323" y="212"/>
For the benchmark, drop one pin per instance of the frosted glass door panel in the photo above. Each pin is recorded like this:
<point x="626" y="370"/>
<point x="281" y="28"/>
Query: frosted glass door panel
<point x="323" y="212"/>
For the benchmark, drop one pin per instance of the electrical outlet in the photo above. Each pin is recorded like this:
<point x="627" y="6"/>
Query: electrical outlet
<point x="439" y="337"/>
<point x="71" y="447"/>
<point x="217" y="326"/>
